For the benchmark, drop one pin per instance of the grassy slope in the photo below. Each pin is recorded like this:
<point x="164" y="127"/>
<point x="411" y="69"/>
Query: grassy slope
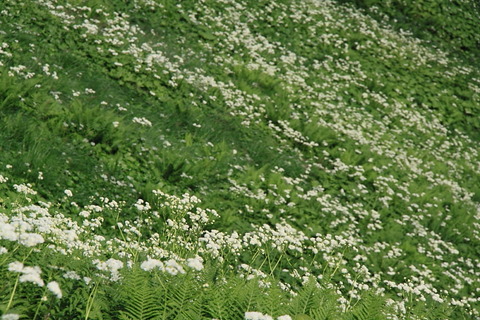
<point x="309" y="115"/>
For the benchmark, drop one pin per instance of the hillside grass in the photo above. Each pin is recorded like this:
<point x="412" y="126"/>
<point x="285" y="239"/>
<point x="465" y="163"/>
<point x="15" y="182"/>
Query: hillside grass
<point x="239" y="160"/>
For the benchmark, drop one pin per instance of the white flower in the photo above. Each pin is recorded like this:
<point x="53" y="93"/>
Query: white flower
<point x="15" y="266"/>
<point x="71" y="275"/>
<point x="257" y="316"/>
<point x="172" y="267"/>
<point x="195" y="263"/>
<point x="24" y="188"/>
<point x="68" y="193"/>
<point x="84" y="214"/>
<point x="30" y="239"/>
<point x="142" y="205"/>
<point x="10" y="316"/>
<point x="253" y="316"/>
<point x="33" y="277"/>
<point x="142" y="121"/>
<point x="3" y="179"/>
<point x="114" y="264"/>
<point x="151" y="264"/>
<point x="55" y="289"/>
<point x="285" y="317"/>
<point x="3" y="250"/>
<point x="7" y="232"/>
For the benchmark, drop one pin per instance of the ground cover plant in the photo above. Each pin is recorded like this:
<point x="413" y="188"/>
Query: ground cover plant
<point x="234" y="159"/>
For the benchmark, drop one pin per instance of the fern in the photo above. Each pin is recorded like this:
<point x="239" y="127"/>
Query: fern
<point x="248" y="295"/>
<point x="273" y="301"/>
<point x="184" y="298"/>
<point x="230" y="301"/>
<point x="370" y="307"/>
<point x="327" y="308"/>
<point x="308" y="298"/>
<point x="216" y="306"/>
<point x="139" y="298"/>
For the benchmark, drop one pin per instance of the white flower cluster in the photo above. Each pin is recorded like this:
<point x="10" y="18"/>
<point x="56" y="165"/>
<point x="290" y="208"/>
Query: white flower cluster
<point x="195" y="263"/>
<point x="142" y="121"/>
<point x="55" y="289"/>
<point x="25" y="189"/>
<point x="29" y="274"/>
<point x="171" y="266"/>
<point x="111" y="266"/>
<point x="318" y="105"/>
<point x="253" y="315"/>
<point x="18" y="231"/>
<point x="142" y="205"/>
<point x="150" y="264"/>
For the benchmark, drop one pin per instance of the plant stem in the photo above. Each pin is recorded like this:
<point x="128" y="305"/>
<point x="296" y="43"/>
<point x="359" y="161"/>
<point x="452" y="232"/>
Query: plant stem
<point x="10" y="254"/>
<point x="38" y="307"/>
<point x="10" y="301"/>
<point x="91" y="298"/>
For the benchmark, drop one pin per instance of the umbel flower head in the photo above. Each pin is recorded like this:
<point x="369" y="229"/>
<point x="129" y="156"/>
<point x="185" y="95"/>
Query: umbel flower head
<point x="55" y="289"/>
<point x="29" y="274"/>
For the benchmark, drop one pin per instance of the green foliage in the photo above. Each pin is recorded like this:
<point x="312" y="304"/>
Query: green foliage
<point x="138" y="299"/>
<point x="369" y="307"/>
<point x="333" y="146"/>
<point x="453" y="22"/>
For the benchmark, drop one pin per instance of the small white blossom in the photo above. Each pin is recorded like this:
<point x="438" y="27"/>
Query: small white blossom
<point x="195" y="263"/>
<point x="173" y="267"/>
<point x="55" y="289"/>
<point x="142" y="121"/>
<point x="7" y="232"/>
<point x="151" y="264"/>
<point x="32" y="274"/>
<point x="24" y="188"/>
<point x="257" y="316"/>
<point x="15" y="266"/>
<point x="10" y="316"/>
<point x="30" y="239"/>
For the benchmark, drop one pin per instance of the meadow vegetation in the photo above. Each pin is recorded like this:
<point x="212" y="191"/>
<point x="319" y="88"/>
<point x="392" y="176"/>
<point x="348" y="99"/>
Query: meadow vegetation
<point x="239" y="159"/>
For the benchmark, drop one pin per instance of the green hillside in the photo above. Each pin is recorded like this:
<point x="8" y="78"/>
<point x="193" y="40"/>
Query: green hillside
<point x="235" y="159"/>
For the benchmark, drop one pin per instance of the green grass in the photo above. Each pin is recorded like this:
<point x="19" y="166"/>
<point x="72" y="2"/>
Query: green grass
<point x="206" y="160"/>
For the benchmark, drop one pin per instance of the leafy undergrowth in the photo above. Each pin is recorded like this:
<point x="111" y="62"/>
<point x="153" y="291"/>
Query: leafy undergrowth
<point x="238" y="160"/>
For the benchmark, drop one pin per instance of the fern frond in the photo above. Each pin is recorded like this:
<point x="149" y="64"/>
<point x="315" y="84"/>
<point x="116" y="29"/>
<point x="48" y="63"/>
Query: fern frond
<point x="273" y="302"/>
<point x="370" y="307"/>
<point x="139" y="298"/>
<point x="216" y="306"/>
<point x="230" y="300"/>
<point x="327" y="308"/>
<point x="184" y="298"/>
<point x="308" y="298"/>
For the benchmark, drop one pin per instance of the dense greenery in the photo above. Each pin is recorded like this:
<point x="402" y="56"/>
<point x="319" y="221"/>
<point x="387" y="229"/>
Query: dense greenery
<point x="452" y="24"/>
<point x="239" y="159"/>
